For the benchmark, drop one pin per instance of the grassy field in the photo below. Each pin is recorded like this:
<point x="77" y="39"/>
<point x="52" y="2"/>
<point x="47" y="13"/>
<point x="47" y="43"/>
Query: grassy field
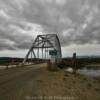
<point x="66" y="85"/>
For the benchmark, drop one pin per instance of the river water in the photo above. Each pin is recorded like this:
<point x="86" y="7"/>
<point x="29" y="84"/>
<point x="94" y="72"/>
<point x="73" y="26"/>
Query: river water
<point x="85" y="71"/>
<point x="90" y="72"/>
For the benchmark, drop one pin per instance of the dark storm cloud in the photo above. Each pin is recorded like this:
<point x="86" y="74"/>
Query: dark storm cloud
<point x="75" y="21"/>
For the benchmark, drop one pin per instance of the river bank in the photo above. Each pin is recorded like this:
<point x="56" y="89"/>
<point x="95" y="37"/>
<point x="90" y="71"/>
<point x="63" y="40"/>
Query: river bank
<point x="64" y="86"/>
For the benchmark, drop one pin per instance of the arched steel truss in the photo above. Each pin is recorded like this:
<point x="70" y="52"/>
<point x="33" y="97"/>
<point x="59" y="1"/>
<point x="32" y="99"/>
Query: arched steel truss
<point x="42" y="45"/>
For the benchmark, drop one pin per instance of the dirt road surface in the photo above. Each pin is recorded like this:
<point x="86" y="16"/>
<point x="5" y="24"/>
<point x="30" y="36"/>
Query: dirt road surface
<point x="14" y="80"/>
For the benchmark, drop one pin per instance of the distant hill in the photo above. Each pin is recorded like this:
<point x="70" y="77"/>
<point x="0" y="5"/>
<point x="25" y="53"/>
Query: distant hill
<point x="84" y="56"/>
<point x="88" y="56"/>
<point x="10" y="59"/>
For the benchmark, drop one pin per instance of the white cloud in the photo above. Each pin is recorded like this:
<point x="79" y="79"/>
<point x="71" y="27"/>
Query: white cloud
<point x="4" y="15"/>
<point x="61" y="2"/>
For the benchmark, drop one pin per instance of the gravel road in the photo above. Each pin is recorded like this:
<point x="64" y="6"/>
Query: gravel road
<point x="14" y="80"/>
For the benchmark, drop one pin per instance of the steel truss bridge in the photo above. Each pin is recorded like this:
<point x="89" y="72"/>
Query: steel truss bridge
<point x="42" y="45"/>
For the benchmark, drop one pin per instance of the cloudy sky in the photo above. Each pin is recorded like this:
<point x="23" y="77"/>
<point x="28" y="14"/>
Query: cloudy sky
<point x="77" y="23"/>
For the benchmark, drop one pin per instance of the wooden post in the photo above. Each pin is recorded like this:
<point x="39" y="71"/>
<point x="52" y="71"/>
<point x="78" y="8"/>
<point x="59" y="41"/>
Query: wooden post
<point x="74" y="63"/>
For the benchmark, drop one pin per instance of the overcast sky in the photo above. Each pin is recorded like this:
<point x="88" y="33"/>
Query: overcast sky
<point x="77" y="23"/>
